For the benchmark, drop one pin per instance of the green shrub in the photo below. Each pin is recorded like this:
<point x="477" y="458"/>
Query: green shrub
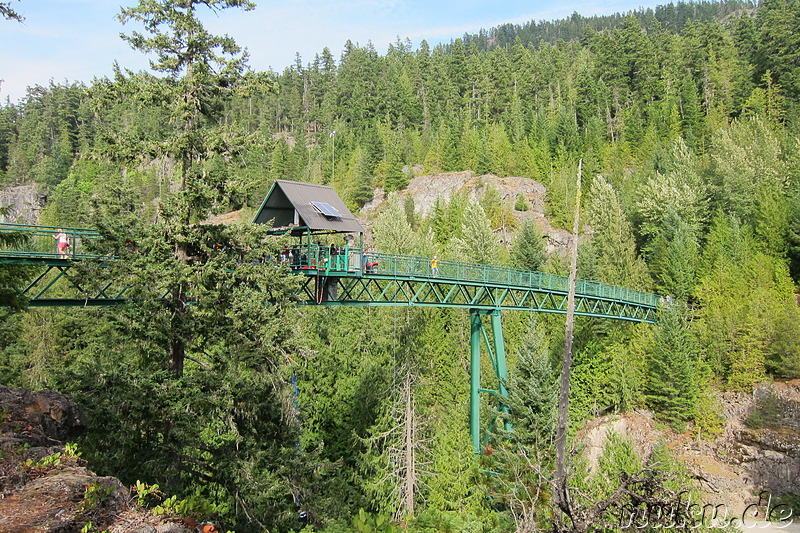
<point x="765" y="412"/>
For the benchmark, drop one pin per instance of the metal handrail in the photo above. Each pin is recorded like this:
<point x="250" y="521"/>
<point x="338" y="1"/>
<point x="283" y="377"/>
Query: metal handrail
<point x="415" y="266"/>
<point x="39" y="241"/>
<point x="318" y="258"/>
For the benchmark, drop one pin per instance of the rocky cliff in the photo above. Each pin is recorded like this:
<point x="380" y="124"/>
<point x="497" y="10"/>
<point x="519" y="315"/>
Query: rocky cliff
<point x="426" y="189"/>
<point x="21" y="204"/>
<point x="757" y="453"/>
<point x="45" y="486"/>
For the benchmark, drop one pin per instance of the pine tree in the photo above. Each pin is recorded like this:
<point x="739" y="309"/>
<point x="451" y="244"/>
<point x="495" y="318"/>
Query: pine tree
<point x="741" y="296"/>
<point x="528" y="252"/>
<point x="433" y="161"/>
<point x="793" y="236"/>
<point x="693" y="125"/>
<point x="477" y="243"/>
<point x="279" y="166"/>
<point x="358" y="187"/>
<point x="500" y="150"/>
<point x="678" y="190"/>
<point x="447" y="217"/>
<point x="672" y="377"/>
<point x="532" y="389"/>
<point x="617" y="260"/>
<point x="492" y="204"/>
<point x="747" y="160"/>
<point x="777" y="45"/>
<point x="397" y="446"/>
<point x="396" y="178"/>
<point x="675" y="254"/>
<point x="200" y="69"/>
<point x="393" y="233"/>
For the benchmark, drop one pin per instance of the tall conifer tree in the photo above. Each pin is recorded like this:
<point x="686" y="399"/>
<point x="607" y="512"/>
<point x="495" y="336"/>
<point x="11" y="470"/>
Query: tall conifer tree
<point x="672" y="369"/>
<point x="200" y="70"/>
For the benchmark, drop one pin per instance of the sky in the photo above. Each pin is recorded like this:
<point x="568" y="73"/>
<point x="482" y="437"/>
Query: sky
<point x="78" y="40"/>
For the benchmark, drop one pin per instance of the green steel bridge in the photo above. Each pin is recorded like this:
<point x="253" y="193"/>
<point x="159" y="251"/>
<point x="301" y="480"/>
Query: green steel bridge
<point x="354" y="277"/>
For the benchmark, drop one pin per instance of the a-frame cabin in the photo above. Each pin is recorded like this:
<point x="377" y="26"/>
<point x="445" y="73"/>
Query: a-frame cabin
<point x="298" y="208"/>
<point x="305" y="211"/>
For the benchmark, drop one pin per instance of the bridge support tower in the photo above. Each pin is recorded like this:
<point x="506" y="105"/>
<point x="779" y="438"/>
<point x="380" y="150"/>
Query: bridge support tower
<point x="497" y="356"/>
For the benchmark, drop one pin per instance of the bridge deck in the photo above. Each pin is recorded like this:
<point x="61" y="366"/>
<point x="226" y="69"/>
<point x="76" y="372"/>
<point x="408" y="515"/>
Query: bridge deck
<point x="352" y="276"/>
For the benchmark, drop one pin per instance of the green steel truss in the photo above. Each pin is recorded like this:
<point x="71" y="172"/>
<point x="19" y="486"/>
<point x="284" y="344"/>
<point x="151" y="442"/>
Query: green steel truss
<point x="437" y="292"/>
<point x="52" y="282"/>
<point x="355" y="277"/>
<point x="481" y="298"/>
<point x="358" y="277"/>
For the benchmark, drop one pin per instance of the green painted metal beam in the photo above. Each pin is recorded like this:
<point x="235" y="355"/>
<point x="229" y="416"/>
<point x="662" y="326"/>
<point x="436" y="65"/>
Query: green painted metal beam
<point x="377" y="290"/>
<point x="501" y="368"/>
<point x="476" y="326"/>
<point x="401" y="280"/>
<point x="497" y="357"/>
<point x="52" y="283"/>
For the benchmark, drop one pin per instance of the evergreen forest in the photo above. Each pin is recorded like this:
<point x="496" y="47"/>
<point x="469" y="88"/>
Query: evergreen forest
<point x="684" y="120"/>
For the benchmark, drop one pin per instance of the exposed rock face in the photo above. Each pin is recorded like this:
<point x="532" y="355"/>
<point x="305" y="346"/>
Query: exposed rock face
<point x="733" y="469"/>
<point x="62" y="501"/>
<point x="770" y="452"/>
<point x="44" y="489"/>
<point x="24" y="203"/>
<point x="425" y="190"/>
<point x="43" y="418"/>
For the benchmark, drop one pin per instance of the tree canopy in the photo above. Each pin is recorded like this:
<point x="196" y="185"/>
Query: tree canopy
<point x="213" y="384"/>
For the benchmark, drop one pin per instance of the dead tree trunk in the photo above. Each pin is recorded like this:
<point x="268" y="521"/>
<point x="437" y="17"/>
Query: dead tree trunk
<point x="410" y="437"/>
<point x="560" y="494"/>
<point x="177" y="344"/>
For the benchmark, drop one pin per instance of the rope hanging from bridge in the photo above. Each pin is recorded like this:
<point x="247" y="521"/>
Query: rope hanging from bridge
<point x="319" y="294"/>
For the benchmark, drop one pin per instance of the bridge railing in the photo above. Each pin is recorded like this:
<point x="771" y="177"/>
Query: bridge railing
<point x="355" y="260"/>
<point x="415" y="266"/>
<point x="40" y="241"/>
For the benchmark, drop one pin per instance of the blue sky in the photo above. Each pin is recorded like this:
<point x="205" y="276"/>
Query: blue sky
<point x="78" y="40"/>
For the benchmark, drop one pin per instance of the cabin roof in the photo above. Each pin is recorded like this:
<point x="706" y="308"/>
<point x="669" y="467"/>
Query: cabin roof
<point x="286" y="198"/>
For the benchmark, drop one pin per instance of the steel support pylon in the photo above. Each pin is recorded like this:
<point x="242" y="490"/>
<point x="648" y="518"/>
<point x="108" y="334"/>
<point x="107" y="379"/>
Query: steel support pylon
<point x="497" y="356"/>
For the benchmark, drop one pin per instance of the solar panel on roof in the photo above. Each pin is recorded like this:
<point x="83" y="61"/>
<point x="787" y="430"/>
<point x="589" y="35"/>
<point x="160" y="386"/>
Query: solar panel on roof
<point x="327" y="209"/>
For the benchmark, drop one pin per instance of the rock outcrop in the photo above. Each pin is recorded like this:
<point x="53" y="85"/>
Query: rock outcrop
<point x="769" y="444"/>
<point x="426" y="189"/>
<point x="733" y="469"/>
<point x="21" y="204"/>
<point x="47" y="488"/>
<point x="43" y="418"/>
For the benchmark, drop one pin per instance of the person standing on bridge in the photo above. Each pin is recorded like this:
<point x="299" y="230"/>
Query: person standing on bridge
<point x="62" y="243"/>
<point x="435" y="267"/>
